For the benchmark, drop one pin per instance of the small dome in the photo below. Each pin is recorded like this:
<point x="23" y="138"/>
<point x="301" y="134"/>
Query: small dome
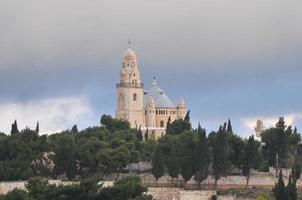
<point x="129" y="55"/>
<point x="181" y="102"/>
<point x="150" y="101"/>
<point x="160" y="99"/>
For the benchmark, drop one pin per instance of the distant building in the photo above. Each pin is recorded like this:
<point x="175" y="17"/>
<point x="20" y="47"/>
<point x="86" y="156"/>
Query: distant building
<point x="259" y="128"/>
<point x="150" y="109"/>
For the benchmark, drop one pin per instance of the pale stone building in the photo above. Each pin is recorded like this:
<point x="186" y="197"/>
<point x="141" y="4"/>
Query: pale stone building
<point x="149" y="109"/>
<point x="259" y="128"/>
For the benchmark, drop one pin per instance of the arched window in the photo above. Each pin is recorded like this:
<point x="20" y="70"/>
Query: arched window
<point x="134" y="97"/>
<point x="161" y="123"/>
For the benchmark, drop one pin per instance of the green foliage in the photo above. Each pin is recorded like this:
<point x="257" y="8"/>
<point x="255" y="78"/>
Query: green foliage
<point x="236" y="145"/>
<point x="178" y="126"/>
<point x="187" y="147"/>
<point x="279" y="189"/>
<point x="88" y="189"/>
<point x="114" y="124"/>
<point x="158" y="164"/>
<point x="249" y="158"/>
<point x="220" y="153"/>
<point x="14" y="129"/>
<point x="229" y="127"/>
<point x="64" y="148"/>
<point x="124" y="189"/>
<point x="36" y="187"/>
<point x="279" y="141"/>
<point x="17" y="194"/>
<point x="22" y="155"/>
<point x="291" y="189"/>
<point x="261" y="197"/>
<point x="172" y="154"/>
<point x="201" y="156"/>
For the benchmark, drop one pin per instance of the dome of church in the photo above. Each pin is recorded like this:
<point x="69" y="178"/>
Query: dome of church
<point x="159" y="97"/>
<point x="129" y="55"/>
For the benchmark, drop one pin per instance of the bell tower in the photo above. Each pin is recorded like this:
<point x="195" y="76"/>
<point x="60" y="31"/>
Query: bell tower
<point x="130" y="95"/>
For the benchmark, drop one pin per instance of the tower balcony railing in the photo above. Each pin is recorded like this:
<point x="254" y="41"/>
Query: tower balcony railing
<point x="130" y="85"/>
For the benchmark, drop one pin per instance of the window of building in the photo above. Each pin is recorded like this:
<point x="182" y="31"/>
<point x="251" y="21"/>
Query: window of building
<point x="161" y="123"/>
<point x="128" y="65"/>
<point x="134" y="97"/>
<point x="134" y="74"/>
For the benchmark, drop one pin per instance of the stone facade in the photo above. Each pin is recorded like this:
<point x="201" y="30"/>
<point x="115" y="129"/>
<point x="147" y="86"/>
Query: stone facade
<point x="150" y="110"/>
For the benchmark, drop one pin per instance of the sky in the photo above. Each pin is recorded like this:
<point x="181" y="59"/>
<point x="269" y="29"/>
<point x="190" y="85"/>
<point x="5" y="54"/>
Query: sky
<point x="60" y="59"/>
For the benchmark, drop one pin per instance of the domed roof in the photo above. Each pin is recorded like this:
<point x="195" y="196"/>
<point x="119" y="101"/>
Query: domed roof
<point x="129" y="55"/>
<point x="160" y="98"/>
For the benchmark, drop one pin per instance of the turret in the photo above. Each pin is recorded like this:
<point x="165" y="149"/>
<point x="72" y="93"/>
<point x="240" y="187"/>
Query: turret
<point x="181" y="109"/>
<point x="150" y="113"/>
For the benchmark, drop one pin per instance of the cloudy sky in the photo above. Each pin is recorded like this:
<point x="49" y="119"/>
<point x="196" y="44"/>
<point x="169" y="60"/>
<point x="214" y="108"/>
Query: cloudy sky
<point x="60" y="59"/>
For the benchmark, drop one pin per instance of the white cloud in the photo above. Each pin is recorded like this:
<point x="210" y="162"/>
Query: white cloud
<point x="53" y="114"/>
<point x="270" y="121"/>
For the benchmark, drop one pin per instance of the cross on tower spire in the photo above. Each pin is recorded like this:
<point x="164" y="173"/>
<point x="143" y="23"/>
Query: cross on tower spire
<point x="129" y="43"/>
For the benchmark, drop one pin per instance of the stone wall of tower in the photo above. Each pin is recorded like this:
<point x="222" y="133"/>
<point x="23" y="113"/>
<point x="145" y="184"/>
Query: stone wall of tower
<point x="130" y="95"/>
<point x="150" y="116"/>
<point x="181" y="109"/>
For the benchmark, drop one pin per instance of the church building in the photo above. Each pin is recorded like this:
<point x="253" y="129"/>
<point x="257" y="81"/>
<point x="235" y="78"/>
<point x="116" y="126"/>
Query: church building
<point x="150" y="110"/>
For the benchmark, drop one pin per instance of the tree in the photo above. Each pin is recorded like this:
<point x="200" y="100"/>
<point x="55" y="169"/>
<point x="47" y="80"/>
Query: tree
<point x="221" y="164"/>
<point x="37" y="127"/>
<point x="129" y="187"/>
<point x="65" y="151"/>
<point x="201" y="157"/>
<point x="158" y="163"/>
<point x="279" y="189"/>
<point x="178" y="126"/>
<point x="249" y="160"/>
<point x="139" y="134"/>
<point x="168" y="125"/>
<point x="186" y="157"/>
<point x="171" y="153"/>
<point x="114" y="124"/>
<point x="36" y="187"/>
<point x="14" y="129"/>
<point x="291" y="189"/>
<point x="236" y="146"/>
<point x="277" y="142"/>
<point x="229" y="126"/>
<point x="74" y="129"/>
<point x="187" y="117"/>
<point x="147" y="134"/>
<point x="17" y="194"/>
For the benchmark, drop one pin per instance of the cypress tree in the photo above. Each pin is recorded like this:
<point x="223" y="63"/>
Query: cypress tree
<point x="224" y="129"/>
<point x="249" y="158"/>
<point x="187" y="117"/>
<point x="229" y="127"/>
<point x="168" y="125"/>
<point x="279" y="190"/>
<point x="37" y="127"/>
<point x="74" y="129"/>
<point x="147" y="134"/>
<point x="291" y="189"/>
<point x="14" y="129"/>
<point x="221" y="164"/>
<point x="201" y="158"/>
<point x="139" y="134"/>
<point x="158" y="164"/>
